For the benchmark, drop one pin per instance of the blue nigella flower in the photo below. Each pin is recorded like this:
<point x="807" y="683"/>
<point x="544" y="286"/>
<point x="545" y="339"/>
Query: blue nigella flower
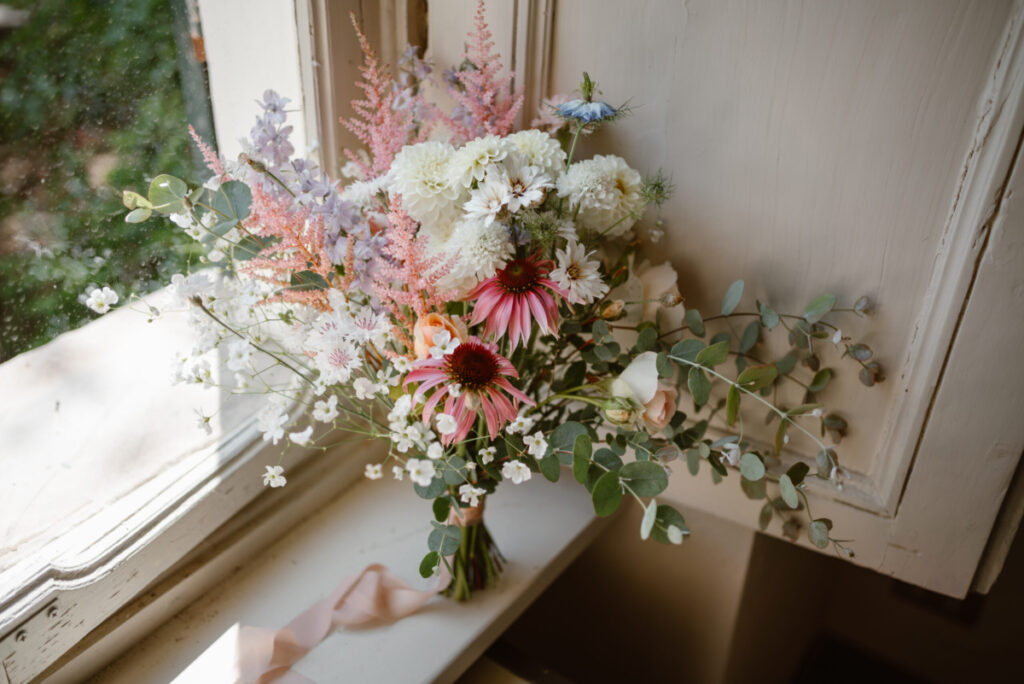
<point x="586" y="112"/>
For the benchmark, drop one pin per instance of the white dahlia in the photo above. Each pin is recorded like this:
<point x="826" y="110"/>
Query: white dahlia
<point x="469" y="163"/>
<point x="606" y="190"/>
<point x="482" y="247"/>
<point x="421" y="175"/>
<point x="541" y="149"/>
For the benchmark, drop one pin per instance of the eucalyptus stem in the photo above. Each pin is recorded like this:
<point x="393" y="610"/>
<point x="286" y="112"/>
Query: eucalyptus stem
<point x="782" y="414"/>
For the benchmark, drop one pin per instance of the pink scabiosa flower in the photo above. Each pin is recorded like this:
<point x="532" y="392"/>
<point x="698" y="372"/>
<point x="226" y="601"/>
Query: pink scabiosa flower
<point x="471" y="376"/>
<point x="514" y="296"/>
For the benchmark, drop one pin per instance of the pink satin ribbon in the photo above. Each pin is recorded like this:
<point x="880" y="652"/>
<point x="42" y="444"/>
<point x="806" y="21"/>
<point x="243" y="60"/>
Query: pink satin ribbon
<point x="375" y="595"/>
<point x="247" y="655"/>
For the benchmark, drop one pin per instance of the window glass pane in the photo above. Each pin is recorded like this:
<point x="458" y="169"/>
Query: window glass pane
<point x="90" y="104"/>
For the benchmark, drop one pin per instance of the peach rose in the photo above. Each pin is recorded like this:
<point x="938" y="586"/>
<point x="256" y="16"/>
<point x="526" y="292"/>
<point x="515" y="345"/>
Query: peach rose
<point x="660" y="409"/>
<point x="431" y="324"/>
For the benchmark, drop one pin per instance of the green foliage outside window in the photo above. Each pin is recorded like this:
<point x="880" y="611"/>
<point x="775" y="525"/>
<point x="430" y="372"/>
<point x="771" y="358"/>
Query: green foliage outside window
<point x="90" y="100"/>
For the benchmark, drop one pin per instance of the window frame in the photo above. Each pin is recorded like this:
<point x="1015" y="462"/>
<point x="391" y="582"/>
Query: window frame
<point x="176" y="536"/>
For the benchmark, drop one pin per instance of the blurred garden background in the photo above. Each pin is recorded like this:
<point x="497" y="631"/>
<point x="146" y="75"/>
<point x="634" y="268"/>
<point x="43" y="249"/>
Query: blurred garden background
<point x="90" y="104"/>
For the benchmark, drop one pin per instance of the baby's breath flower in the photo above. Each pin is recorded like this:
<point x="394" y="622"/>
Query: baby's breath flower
<point x="487" y="454"/>
<point x="373" y="471"/>
<point x="516" y="470"/>
<point x="274" y="477"/>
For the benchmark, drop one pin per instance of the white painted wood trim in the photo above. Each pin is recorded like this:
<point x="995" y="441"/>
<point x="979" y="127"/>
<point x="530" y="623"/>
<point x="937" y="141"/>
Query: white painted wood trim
<point x="977" y="196"/>
<point x="531" y="53"/>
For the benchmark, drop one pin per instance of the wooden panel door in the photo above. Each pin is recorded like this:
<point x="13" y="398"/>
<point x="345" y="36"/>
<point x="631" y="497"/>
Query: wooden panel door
<point x="862" y="147"/>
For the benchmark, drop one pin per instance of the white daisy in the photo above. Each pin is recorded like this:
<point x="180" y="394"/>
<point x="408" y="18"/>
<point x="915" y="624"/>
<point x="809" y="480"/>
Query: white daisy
<point x="489" y="198"/>
<point x="527" y="183"/>
<point x="578" y="276"/>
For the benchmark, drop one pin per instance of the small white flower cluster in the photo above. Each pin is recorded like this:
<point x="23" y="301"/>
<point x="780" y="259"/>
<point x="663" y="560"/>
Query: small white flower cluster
<point x="100" y="299"/>
<point x="407" y="431"/>
<point x="338" y="338"/>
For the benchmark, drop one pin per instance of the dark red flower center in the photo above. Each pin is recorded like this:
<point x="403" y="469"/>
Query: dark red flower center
<point x="472" y="365"/>
<point x="519" y="276"/>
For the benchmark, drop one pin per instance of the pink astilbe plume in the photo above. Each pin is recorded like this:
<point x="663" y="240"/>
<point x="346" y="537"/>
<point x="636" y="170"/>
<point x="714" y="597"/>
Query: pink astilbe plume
<point x="407" y="279"/>
<point x="296" y="246"/>
<point x="489" y="109"/>
<point x="382" y="127"/>
<point x="213" y="161"/>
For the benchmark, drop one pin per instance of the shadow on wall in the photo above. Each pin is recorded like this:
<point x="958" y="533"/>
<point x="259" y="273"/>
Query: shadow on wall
<point x="734" y="606"/>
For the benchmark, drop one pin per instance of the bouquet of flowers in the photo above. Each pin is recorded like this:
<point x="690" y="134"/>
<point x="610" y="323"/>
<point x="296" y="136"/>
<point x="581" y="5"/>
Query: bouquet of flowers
<point x="475" y="297"/>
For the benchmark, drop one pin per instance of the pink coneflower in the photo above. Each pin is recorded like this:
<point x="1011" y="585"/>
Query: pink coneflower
<point x="472" y="375"/>
<point x="516" y="294"/>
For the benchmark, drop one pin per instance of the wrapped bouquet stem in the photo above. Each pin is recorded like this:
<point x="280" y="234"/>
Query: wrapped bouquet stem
<point x="477" y="563"/>
<point x="478" y="299"/>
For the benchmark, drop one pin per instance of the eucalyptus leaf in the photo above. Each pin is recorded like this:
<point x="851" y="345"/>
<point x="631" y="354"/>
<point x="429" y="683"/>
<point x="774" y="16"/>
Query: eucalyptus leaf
<point x="754" y="489"/>
<point x="757" y="377"/>
<point x="797" y="472"/>
<point x="732" y="297"/>
<point x="786" y="364"/>
<point x="581" y="451"/>
<point x="645" y="478"/>
<point x="818" y="307"/>
<point x="607" y="494"/>
<point x="428" y="566"/>
<point x="694" y="322"/>
<point x="749" y="337"/>
<point x="751" y="467"/>
<point x="563" y="438"/>
<point x="647" y="339"/>
<point x="769" y="319"/>
<point x="666" y="518"/>
<point x="818" y="533"/>
<point x="444" y="539"/>
<point x="664" y="365"/>
<point x="433" y="490"/>
<point x="820" y="381"/>
<point x="699" y="385"/>
<point x="550" y="468"/>
<point x="138" y="215"/>
<point x="765" y="516"/>
<point x="442" y="505"/>
<point x="167" y="194"/>
<point x="608" y="459"/>
<point x="647" y="523"/>
<point x="687" y="349"/>
<point x="693" y="461"/>
<point x="788" y="492"/>
<point x="713" y="355"/>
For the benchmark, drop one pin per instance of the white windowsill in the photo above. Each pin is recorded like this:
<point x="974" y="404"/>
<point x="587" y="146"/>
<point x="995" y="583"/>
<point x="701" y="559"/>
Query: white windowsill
<point x="539" y="526"/>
